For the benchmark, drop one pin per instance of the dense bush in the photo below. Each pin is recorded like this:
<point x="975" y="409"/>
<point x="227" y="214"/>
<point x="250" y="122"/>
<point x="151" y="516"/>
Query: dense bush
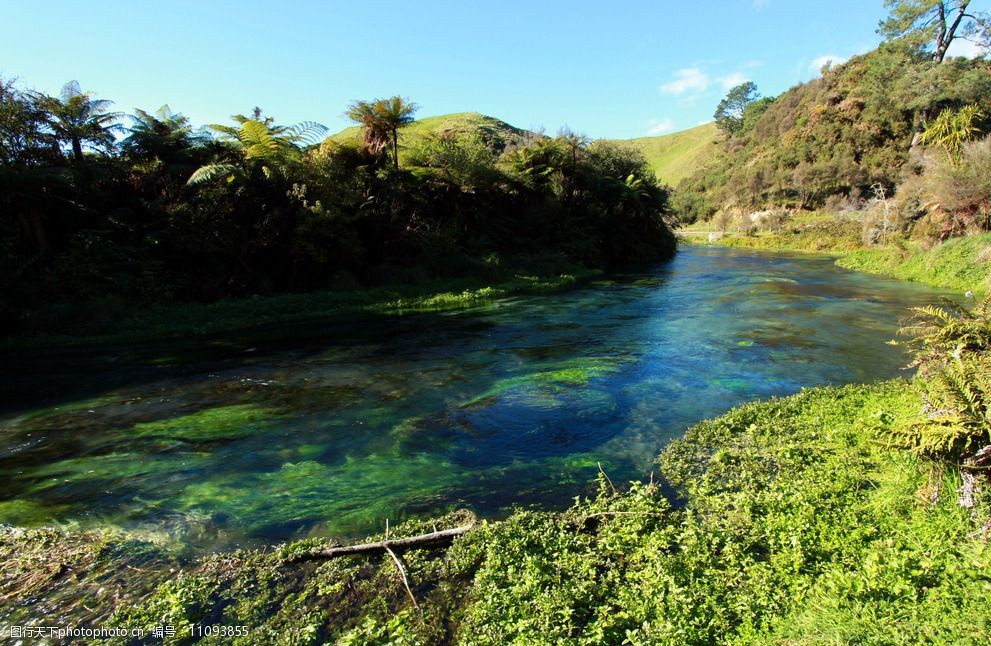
<point x="175" y="216"/>
<point x="839" y="134"/>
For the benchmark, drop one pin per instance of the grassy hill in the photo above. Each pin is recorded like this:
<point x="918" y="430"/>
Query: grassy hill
<point x="495" y="132"/>
<point x="679" y="154"/>
<point x="672" y="156"/>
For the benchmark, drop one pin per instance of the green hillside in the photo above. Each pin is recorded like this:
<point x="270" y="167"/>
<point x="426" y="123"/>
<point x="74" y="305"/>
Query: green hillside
<point x="498" y="134"/>
<point x="679" y="154"/>
<point x="837" y="135"/>
<point x="671" y="157"/>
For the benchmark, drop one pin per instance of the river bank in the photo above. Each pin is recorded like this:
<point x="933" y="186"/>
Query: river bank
<point x="959" y="264"/>
<point x="799" y="521"/>
<point x="185" y="320"/>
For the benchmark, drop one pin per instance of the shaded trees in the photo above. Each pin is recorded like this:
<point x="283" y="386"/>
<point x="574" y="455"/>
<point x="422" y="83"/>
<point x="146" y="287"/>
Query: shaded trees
<point x="79" y="120"/>
<point x="180" y="216"/>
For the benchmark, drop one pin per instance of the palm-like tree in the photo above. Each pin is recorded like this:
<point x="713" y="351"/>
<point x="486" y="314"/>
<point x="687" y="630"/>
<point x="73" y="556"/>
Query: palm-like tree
<point x="163" y="135"/>
<point x="381" y="120"/>
<point x="80" y="120"/>
<point x="269" y="148"/>
<point x="951" y="129"/>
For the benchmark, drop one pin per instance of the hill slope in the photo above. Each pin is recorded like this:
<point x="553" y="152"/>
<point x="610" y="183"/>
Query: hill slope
<point x="497" y="133"/>
<point x="838" y="134"/>
<point x="677" y="155"/>
<point x="671" y="157"/>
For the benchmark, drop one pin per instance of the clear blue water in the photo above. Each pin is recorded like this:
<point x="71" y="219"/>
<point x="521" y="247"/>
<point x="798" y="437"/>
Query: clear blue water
<point x="317" y="430"/>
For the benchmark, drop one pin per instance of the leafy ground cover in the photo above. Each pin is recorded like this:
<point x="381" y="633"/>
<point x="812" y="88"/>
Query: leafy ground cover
<point x="960" y="264"/>
<point x="794" y="520"/>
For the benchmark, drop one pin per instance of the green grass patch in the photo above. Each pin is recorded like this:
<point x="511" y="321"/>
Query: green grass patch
<point x="677" y="155"/>
<point x="959" y="264"/>
<point x="497" y="133"/>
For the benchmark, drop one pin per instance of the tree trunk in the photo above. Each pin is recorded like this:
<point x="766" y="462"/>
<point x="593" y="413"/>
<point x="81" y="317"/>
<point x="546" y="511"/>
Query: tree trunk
<point x="395" y="147"/>
<point x="947" y="33"/>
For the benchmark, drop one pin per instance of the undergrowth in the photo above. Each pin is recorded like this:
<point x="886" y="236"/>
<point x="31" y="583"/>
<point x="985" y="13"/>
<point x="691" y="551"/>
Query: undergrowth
<point x="796" y="521"/>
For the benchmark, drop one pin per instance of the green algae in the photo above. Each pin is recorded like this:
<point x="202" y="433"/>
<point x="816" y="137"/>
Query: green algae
<point x="541" y="387"/>
<point x="353" y="493"/>
<point x="222" y="423"/>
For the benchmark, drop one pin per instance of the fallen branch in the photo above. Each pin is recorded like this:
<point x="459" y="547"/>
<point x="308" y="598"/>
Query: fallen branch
<point x="402" y="573"/>
<point x="433" y="538"/>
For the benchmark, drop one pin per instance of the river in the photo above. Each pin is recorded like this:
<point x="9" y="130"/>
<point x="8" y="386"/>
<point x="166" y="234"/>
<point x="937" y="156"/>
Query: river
<point x="331" y="429"/>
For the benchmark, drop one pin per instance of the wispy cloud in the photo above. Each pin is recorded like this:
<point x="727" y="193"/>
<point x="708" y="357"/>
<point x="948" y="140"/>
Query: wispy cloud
<point x="659" y="127"/>
<point x="688" y="79"/>
<point x="761" y="5"/>
<point x="732" y="80"/>
<point x="831" y="60"/>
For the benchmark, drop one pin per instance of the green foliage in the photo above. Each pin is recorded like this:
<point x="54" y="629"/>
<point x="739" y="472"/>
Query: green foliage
<point x="77" y="119"/>
<point x="795" y="525"/>
<point x="677" y="155"/>
<point x="837" y="135"/>
<point x="951" y="129"/>
<point x="180" y="218"/>
<point x="264" y="147"/>
<point x="381" y="120"/>
<point x="931" y="25"/>
<point x="951" y="345"/>
<point x="959" y="264"/>
<point x="464" y="158"/>
<point x="731" y="111"/>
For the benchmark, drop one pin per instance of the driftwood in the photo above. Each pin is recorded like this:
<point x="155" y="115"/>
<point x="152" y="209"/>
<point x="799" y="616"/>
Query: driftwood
<point x="433" y="538"/>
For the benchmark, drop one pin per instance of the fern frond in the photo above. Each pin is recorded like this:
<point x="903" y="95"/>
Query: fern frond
<point x="307" y="133"/>
<point x="211" y="172"/>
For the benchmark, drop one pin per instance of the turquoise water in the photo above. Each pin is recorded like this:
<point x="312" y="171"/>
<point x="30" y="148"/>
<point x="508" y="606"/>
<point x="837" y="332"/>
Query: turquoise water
<point x="329" y="430"/>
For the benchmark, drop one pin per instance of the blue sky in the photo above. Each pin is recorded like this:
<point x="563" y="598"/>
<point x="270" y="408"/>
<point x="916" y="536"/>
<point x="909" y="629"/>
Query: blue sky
<point x="615" y="70"/>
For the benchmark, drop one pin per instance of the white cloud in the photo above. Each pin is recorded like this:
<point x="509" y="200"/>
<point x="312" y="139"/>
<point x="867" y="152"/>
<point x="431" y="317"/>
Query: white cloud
<point x="732" y="80"/>
<point x="689" y="79"/>
<point x="832" y="60"/>
<point x="965" y="48"/>
<point x="761" y="5"/>
<point x="655" y="127"/>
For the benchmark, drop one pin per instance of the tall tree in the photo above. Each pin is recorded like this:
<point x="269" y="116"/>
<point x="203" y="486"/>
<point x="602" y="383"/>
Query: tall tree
<point x="76" y="118"/>
<point x="381" y="120"/>
<point x="729" y="112"/>
<point x="933" y="23"/>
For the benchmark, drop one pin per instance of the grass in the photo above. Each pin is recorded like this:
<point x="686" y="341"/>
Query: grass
<point x="498" y="133"/>
<point x="189" y="320"/>
<point x="677" y="155"/>
<point x="815" y="232"/>
<point x="959" y="264"/>
<point x="672" y="157"/>
<point x="798" y="524"/>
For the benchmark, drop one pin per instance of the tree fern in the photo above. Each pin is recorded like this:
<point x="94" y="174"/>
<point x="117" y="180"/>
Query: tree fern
<point x="270" y="149"/>
<point x="952" y="346"/>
